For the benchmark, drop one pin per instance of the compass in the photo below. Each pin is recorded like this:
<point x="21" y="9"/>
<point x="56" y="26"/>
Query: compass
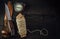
<point x="18" y="7"/>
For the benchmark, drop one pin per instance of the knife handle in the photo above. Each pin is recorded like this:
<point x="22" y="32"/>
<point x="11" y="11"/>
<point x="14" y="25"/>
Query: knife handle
<point x="12" y="27"/>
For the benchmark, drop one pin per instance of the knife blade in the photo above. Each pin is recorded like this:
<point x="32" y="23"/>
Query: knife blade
<point x="7" y="12"/>
<point x="10" y="24"/>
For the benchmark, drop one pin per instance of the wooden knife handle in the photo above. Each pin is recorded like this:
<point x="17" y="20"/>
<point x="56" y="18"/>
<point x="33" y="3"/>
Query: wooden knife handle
<point x="12" y="27"/>
<point x="11" y="23"/>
